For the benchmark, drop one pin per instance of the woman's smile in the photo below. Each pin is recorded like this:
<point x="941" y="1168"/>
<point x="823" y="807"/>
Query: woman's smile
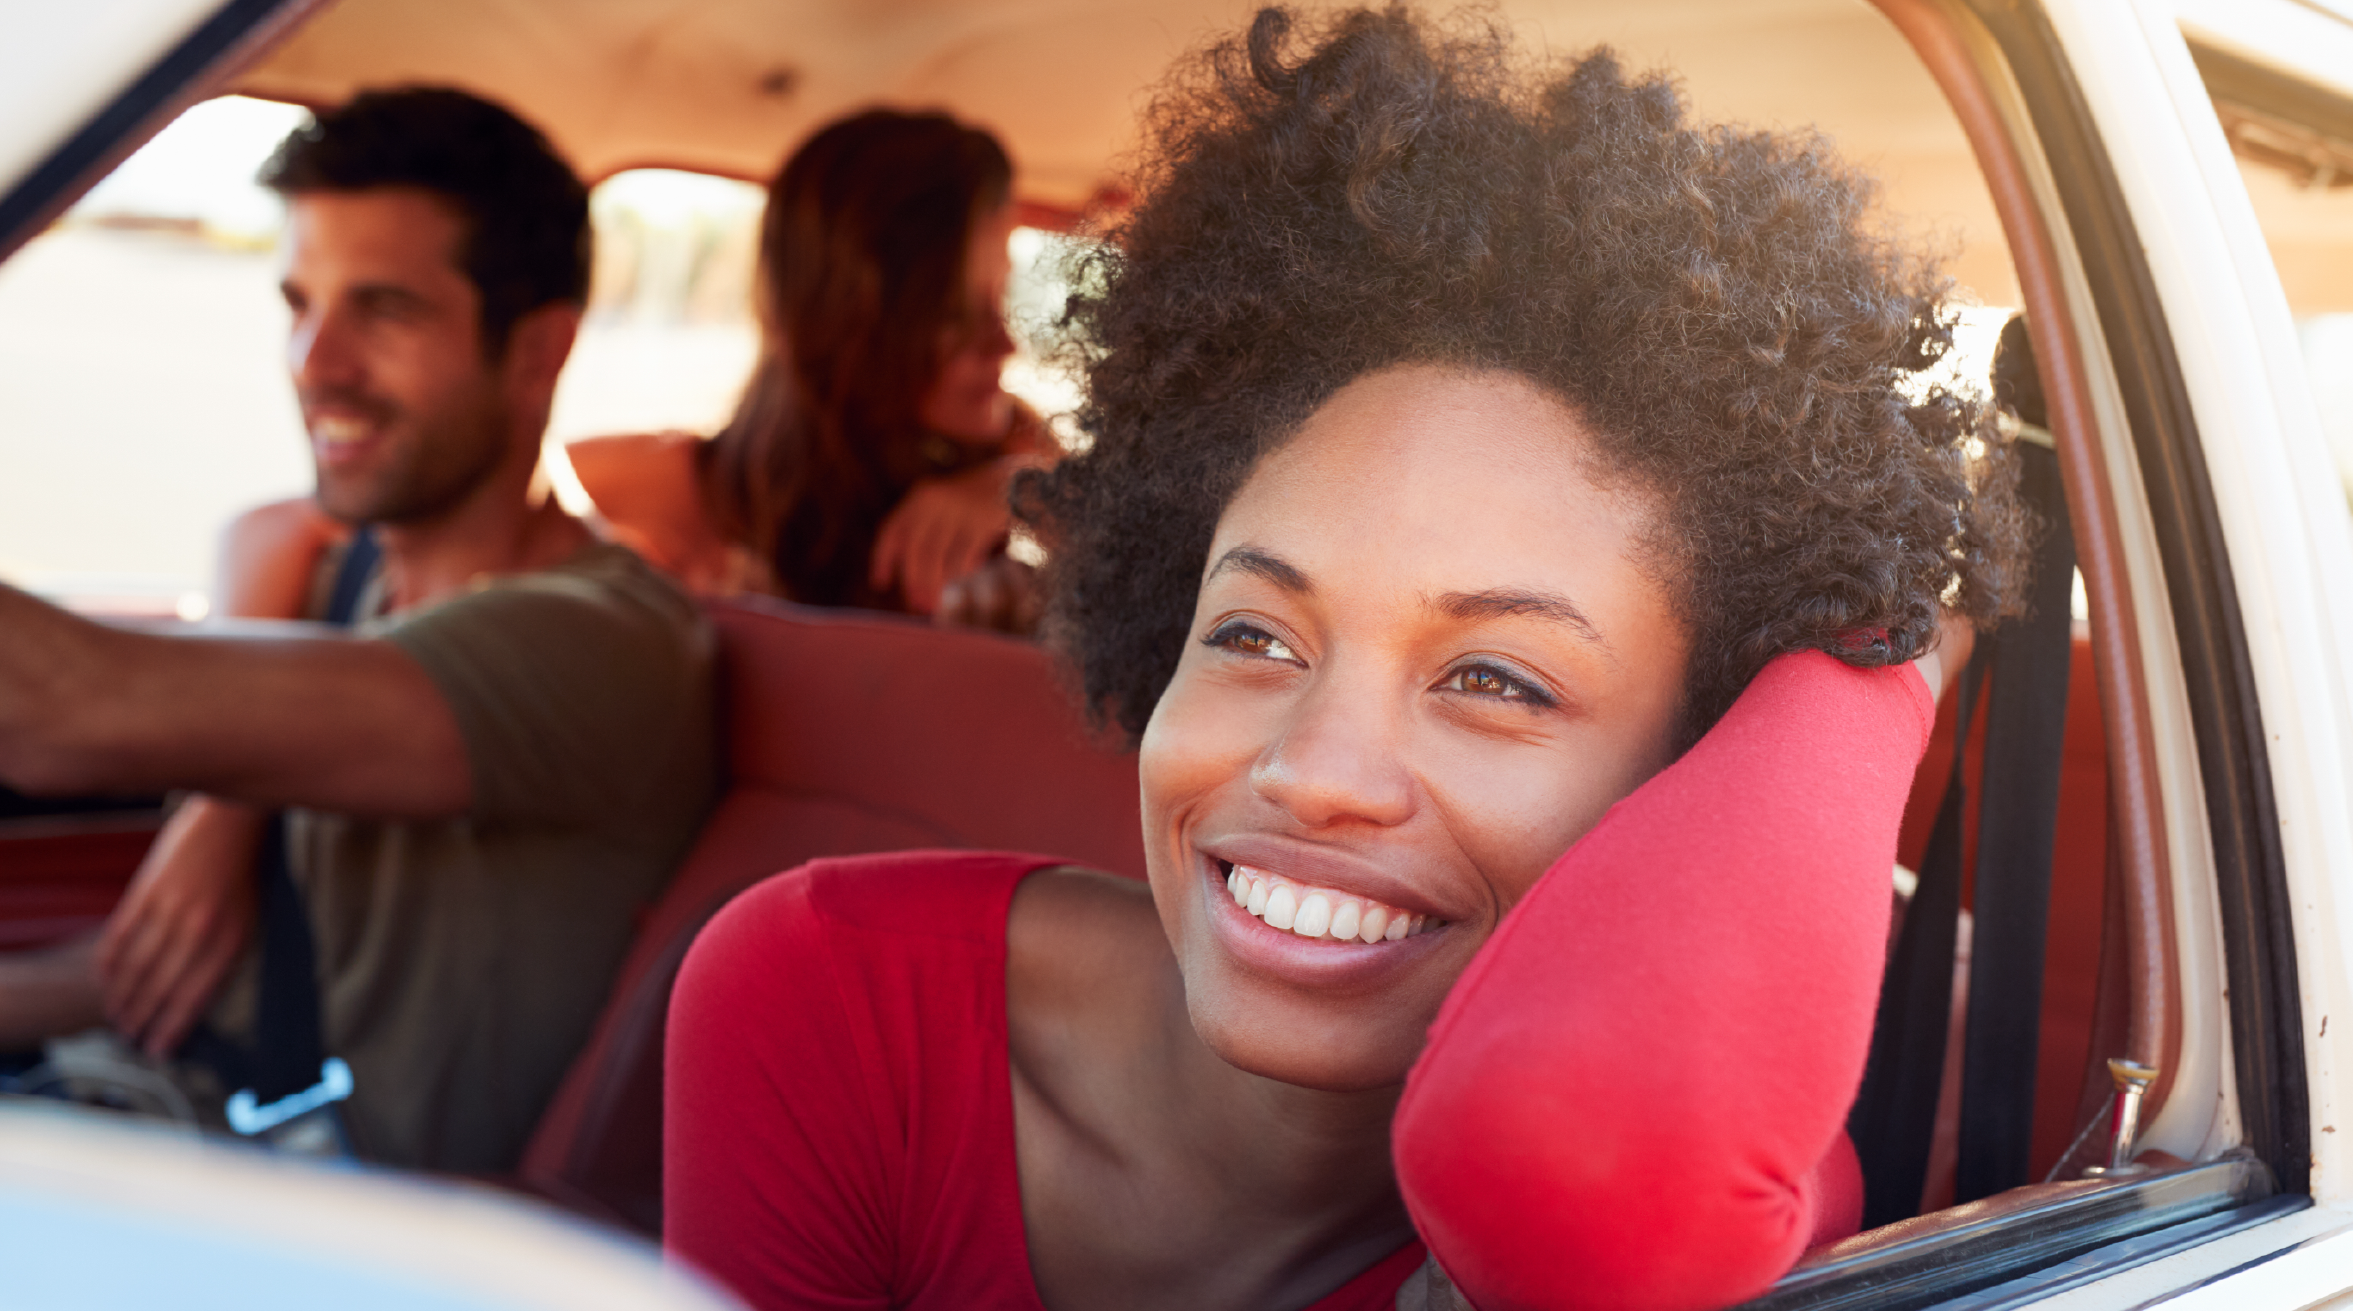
<point x="1284" y="960"/>
<point x="1320" y="914"/>
<point x="1310" y="920"/>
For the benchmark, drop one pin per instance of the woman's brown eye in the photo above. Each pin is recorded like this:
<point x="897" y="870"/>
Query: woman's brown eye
<point x="1250" y="641"/>
<point x="1489" y="681"/>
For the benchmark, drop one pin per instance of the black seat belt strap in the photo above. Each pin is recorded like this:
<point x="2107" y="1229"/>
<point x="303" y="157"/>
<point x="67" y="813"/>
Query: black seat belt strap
<point x="2018" y="817"/>
<point x="292" y="1075"/>
<point x="1895" y="1113"/>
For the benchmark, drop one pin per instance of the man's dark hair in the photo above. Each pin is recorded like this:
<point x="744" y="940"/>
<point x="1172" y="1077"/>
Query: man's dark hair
<point x="1713" y="303"/>
<point x="527" y="241"/>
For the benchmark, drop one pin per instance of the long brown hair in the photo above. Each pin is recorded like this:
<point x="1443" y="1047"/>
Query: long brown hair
<point x="862" y="253"/>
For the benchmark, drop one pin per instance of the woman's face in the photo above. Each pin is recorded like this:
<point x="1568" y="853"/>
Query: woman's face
<point x="965" y="402"/>
<point x="1423" y="662"/>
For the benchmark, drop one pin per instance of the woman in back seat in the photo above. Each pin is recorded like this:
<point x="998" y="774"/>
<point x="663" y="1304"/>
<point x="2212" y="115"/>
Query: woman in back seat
<point x="868" y="461"/>
<point x="1487" y="465"/>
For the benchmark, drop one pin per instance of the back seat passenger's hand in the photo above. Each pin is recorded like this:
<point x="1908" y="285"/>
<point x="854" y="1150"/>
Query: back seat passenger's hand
<point x="1001" y="596"/>
<point x="944" y="528"/>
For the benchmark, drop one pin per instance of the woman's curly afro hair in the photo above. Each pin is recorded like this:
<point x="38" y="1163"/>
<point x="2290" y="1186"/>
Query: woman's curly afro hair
<point x="1714" y="304"/>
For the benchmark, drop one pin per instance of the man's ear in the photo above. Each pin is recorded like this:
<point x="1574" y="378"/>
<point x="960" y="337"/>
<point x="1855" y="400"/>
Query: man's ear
<point x="537" y="347"/>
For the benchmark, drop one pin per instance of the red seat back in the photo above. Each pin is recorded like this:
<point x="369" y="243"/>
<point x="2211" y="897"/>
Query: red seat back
<point x="845" y="733"/>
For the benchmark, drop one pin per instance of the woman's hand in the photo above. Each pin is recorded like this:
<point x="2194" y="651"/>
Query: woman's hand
<point x="944" y="528"/>
<point x="1000" y="596"/>
<point x="180" y="927"/>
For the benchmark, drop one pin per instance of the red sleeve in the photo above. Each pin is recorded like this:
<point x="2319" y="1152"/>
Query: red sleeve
<point x="1634" y="1098"/>
<point x="787" y="1208"/>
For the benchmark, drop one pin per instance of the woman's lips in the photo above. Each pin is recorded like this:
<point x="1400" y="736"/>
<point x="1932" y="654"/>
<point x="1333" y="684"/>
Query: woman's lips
<point x="1324" y="963"/>
<point x="1325" y="914"/>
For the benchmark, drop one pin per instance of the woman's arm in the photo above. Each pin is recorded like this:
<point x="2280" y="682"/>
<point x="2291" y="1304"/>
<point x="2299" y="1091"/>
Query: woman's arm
<point x="269" y="555"/>
<point x="1629" y="1098"/>
<point x="946" y="531"/>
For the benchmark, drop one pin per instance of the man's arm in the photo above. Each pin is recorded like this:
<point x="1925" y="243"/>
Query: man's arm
<point x="329" y="723"/>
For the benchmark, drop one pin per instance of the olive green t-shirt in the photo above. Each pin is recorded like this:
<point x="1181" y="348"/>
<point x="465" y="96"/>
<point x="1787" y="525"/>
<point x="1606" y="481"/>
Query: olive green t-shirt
<point x="462" y="962"/>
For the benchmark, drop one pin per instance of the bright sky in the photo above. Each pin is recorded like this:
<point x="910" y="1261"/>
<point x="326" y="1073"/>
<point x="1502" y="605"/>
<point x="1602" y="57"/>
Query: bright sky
<point x="202" y="167"/>
<point x="669" y="198"/>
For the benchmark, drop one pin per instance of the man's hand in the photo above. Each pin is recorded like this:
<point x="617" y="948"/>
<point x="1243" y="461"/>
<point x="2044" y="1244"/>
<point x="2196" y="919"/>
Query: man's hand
<point x="1001" y="596"/>
<point x="944" y="528"/>
<point x="182" y="924"/>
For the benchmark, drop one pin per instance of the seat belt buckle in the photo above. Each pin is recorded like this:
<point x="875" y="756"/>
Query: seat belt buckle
<point x="305" y="1122"/>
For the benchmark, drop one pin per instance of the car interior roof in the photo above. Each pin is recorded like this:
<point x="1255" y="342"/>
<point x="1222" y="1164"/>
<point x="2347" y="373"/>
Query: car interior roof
<point x="728" y="86"/>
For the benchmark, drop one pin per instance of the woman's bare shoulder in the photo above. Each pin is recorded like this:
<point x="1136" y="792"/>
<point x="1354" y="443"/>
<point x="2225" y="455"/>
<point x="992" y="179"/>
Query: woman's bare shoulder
<point x="268" y="556"/>
<point x="1055" y="908"/>
<point x="636" y="469"/>
<point x="647" y="489"/>
<point x="1077" y="938"/>
<point x="295" y="520"/>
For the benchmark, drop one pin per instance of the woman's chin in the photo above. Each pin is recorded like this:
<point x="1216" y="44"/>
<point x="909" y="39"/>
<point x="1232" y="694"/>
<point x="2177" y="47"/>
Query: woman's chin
<point x="1336" y="1057"/>
<point x="972" y="420"/>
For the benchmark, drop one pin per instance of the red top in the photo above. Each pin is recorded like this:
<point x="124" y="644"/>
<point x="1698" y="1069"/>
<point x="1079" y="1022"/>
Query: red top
<point x="1641" y="1108"/>
<point x="838" y="1118"/>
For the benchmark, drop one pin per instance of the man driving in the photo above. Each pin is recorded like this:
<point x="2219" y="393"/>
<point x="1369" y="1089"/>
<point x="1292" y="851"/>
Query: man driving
<point x="493" y="772"/>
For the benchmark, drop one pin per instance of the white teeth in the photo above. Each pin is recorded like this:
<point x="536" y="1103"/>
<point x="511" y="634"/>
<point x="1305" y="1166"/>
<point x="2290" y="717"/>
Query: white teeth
<point x="1344" y="921"/>
<point x="1320" y="913"/>
<point x="1315" y="916"/>
<point x="337" y="431"/>
<point x="1282" y="906"/>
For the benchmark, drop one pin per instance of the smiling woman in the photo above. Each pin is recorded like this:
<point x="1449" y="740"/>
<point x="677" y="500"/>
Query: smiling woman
<point x="1486" y="465"/>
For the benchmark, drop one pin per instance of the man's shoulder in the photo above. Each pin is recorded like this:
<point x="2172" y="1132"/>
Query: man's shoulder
<point x="611" y="569"/>
<point x="602" y="618"/>
<point x="600" y="579"/>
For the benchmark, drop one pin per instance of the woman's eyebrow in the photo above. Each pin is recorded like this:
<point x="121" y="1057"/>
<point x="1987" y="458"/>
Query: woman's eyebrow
<point x="1274" y="568"/>
<point x="1499" y="602"/>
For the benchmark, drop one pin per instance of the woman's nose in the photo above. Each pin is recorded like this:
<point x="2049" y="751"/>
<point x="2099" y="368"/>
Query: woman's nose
<point x="998" y="341"/>
<point x="1337" y="759"/>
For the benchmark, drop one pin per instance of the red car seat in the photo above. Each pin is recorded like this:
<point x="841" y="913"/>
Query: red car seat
<point x="844" y="733"/>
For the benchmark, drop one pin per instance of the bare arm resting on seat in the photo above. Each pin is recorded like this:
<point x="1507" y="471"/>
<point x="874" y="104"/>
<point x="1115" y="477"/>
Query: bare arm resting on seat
<point x="330" y="723"/>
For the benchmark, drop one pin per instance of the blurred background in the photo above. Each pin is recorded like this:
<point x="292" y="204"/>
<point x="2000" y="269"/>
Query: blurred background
<point x="143" y="400"/>
<point x="143" y="395"/>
